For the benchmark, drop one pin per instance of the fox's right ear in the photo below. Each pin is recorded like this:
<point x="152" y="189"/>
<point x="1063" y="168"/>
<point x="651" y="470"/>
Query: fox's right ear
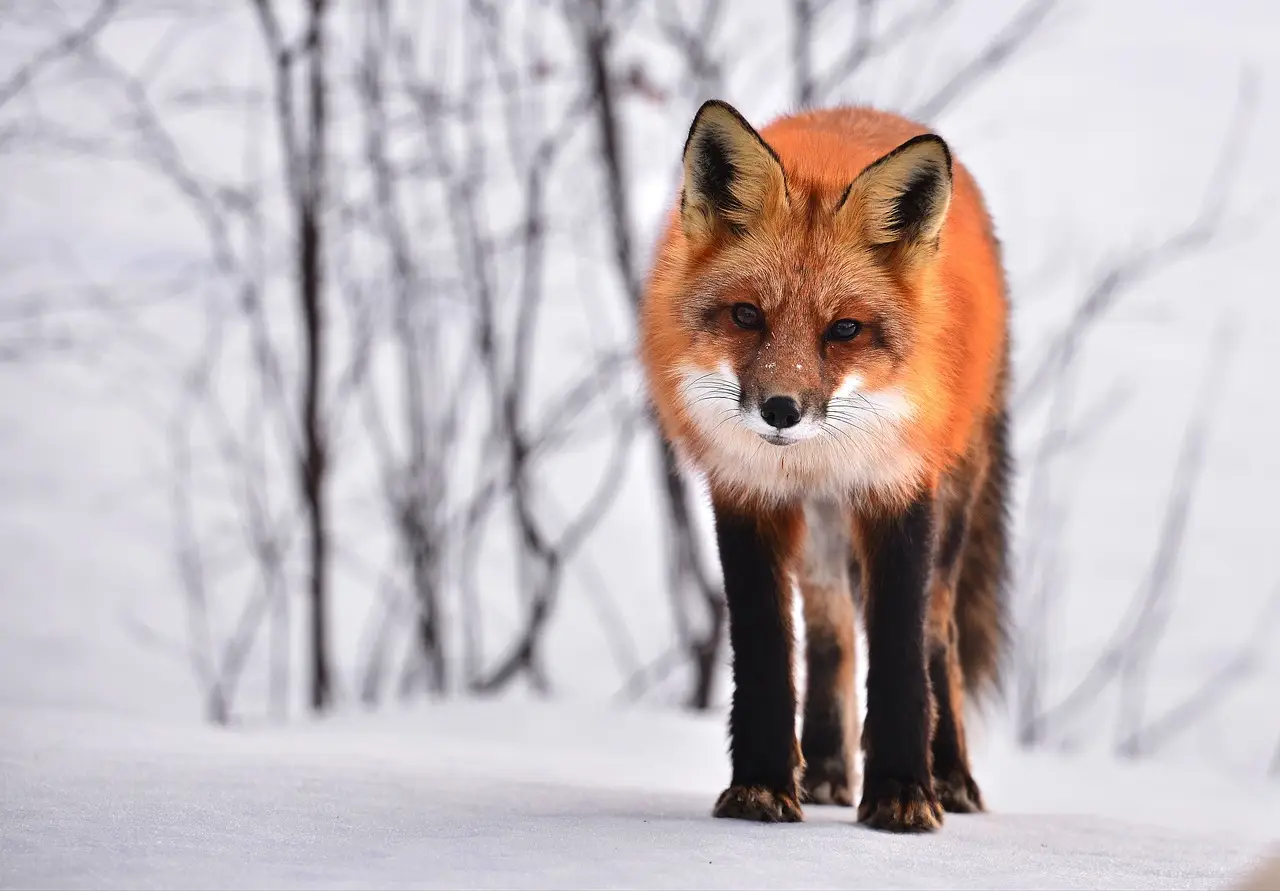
<point x="903" y="197"/>
<point x="731" y="175"/>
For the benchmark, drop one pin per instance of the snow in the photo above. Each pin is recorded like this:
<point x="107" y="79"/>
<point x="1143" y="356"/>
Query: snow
<point x="498" y="795"/>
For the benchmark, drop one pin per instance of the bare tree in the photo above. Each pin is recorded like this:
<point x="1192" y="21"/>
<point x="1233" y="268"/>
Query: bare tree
<point x="302" y="118"/>
<point x="66" y="44"/>
<point x="819" y="80"/>
<point x="27" y="327"/>
<point x="686" y="574"/>
<point x="416" y="486"/>
<point x="404" y="184"/>
<point x="1125" y="659"/>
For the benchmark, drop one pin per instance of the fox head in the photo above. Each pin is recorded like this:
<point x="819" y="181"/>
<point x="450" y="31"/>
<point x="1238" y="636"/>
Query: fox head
<point x="794" y="306"/>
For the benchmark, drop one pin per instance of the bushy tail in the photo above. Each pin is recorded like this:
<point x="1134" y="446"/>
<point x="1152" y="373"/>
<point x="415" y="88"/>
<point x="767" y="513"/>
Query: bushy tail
<point x="981" y="592"/>
<point x="1263" y="878"/>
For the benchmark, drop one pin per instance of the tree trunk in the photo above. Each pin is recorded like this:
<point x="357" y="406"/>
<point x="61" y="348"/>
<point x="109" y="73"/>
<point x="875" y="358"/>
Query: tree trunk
<point x="314" y="469"/>
<point x="684" y="569"/>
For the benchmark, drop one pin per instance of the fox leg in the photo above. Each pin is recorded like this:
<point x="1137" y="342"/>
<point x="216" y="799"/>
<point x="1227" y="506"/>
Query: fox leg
<point x="897" y="552"/>
<point x="952" y="776"/>
<point x="755" y="552"/>
<point x="832" y="723"/>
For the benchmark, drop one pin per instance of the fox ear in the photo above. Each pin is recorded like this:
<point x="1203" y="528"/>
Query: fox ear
<point x="731" y="176"/>
<point x="903" y="197"/>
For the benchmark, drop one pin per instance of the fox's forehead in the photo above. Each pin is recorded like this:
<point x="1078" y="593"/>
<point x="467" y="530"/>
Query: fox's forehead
<point x="821" y="274"/>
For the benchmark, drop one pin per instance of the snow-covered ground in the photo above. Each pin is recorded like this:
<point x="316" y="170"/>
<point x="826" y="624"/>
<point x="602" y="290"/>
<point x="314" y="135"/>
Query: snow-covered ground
<point x="503" y="795"/>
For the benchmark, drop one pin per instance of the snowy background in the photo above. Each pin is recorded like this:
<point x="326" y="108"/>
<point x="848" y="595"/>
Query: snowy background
<point x="515" y="694"/>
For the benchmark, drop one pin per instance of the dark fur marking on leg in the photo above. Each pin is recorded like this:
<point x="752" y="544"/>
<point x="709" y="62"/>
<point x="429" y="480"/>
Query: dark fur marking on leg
<point x="826" y="750"/>
<point x="946" y="743"/>
<point x="952" y="778"/>
<point x="898" y="786"/>
<point x="762" y="716"/>
<point x="951" y="545"/>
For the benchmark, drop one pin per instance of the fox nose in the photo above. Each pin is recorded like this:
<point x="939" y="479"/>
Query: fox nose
<point x="781" y="412"/>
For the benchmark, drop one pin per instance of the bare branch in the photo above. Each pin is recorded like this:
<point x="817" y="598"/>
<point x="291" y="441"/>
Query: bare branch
<point x="866" y="45"/>
<point x="691" y="39"/>
<point x="1007" y="42"/>
<point x="1211" y="693"/>
<point x="1154" y="616"/>
<point x="1128" y="272"/>
<point x="67" y="45"/>
<point x="684" y="563"/>
<point x="1155" y="585"/>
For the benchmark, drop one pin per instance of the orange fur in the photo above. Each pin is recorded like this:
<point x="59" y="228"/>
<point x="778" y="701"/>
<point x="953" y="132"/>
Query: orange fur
<point x="823" y="336"/>
<point x="807" y="264"/>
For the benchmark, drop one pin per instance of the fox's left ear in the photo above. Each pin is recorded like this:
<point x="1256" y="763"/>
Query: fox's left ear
<point x="903" y="197"/>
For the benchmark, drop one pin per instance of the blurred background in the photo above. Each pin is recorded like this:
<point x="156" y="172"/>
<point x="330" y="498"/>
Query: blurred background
<point x="316" y="321"/>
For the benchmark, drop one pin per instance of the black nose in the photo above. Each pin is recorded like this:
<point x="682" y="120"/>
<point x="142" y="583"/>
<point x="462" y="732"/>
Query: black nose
<point x="781" y="412"/>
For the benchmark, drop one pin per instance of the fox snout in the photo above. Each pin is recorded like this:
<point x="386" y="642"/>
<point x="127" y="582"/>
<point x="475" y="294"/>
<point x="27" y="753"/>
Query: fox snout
<point x="780" y="412"/>
<point x="781" y="418"/>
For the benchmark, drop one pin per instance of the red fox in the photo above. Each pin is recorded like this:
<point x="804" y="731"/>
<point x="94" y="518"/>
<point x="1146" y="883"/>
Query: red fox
<point x="824" y="336"/>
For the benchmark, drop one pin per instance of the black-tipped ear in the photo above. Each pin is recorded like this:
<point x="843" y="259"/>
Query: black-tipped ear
<point x="904" y="196"/>
<point x="731" y="176"/>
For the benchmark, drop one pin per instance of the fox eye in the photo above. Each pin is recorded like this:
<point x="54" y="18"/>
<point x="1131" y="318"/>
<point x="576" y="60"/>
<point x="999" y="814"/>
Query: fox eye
<point x="845" y="329"/>
<point x="747" y="316"/>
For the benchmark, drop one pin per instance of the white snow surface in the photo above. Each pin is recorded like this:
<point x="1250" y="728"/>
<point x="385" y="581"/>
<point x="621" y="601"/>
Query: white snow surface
<point x="498" y="795"/>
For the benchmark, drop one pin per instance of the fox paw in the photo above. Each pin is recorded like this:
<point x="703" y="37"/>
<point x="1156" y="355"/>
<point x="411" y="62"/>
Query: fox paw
<point x="758" y="803"/>
<point x="958" y="793"/>
<point x="900" y="807"/>
<point x="830" y="781"/>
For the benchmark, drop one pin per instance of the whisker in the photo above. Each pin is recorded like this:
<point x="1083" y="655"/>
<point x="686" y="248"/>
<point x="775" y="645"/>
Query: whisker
<point x="707" y="398"/>
<point x="847" y="422"/>
<point x="854" y="408"/>
<point x="866" y="406"/>
<point x="856" y="423"/>
<point x="837" y="436"/>
<point x="841" y="433"/>
<point x="870" y="406"/>
<point x="697" y="380"/>
<point x="719" y="386"/>
<point x="730" y="417"/>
